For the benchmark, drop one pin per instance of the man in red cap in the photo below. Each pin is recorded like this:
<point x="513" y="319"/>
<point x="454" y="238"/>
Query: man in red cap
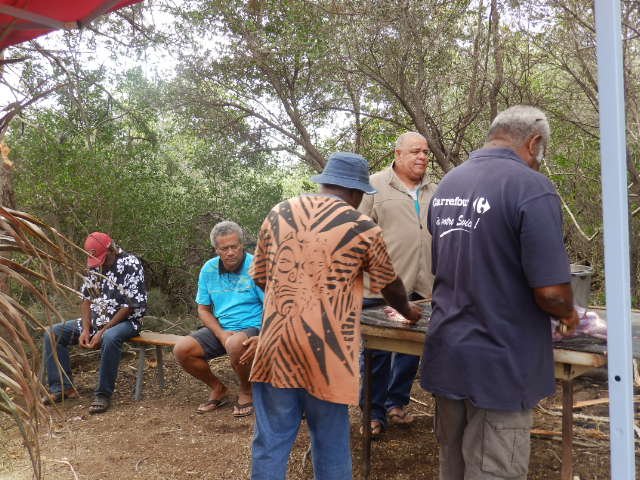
<point x="114" y="302"/>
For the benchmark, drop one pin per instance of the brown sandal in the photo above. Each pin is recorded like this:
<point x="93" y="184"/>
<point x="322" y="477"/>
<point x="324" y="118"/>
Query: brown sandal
<point x="100" y="404"/>
<point x="211" y="405"/>
<point x="403" y="418"/>
<point x="377" y="429"/>
<point x="58" y="397"/>
<point x="239" y="407"/>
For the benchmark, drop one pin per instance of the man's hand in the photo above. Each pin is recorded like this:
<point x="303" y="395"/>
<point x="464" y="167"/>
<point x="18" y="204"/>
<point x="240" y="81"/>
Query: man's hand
<point x="97" y="339"/>
<point x="415" y="313"/>
<point x="395" y="316"/>
<point x="83" y="341"/>
<point x="566" y="325"/>
<point x="251" y="344"/>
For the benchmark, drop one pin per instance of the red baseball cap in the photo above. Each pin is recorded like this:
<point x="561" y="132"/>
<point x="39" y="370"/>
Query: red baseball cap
<point x="97" y="244"/>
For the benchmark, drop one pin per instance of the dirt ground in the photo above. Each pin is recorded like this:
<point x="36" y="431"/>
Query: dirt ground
<point x="161" y="437"/>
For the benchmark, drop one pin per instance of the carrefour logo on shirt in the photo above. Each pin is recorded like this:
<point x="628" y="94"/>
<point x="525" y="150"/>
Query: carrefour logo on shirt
<point x="464" y="222"/>
<point x="450" y="202"/>
<point x="480" y="204"/>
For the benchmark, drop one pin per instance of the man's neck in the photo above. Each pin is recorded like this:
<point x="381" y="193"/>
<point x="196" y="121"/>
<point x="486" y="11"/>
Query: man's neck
<point x="521" y="151"/>
<point x="222" y="268"/>
<point x="410" y="183"/>
<point x="499" y="143"/>
<point x="335" y="192"/>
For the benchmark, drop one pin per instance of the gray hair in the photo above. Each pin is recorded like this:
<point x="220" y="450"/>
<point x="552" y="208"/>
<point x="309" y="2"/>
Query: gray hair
<point x="403" y="137"/>
<point x="226" y="228"/>
<point x="519" y="123"/>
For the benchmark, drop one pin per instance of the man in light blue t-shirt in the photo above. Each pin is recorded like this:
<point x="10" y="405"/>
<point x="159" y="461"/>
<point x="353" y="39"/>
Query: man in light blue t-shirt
<point x="230" y="309"/>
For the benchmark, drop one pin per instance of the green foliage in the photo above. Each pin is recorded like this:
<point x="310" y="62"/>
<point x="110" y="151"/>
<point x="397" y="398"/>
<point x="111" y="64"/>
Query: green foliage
<point x="262" y="85"/>
<point x="122" y="164"/>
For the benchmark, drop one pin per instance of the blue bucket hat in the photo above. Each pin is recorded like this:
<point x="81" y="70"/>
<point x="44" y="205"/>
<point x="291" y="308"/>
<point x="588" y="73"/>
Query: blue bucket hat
<point x="348" y="170"/>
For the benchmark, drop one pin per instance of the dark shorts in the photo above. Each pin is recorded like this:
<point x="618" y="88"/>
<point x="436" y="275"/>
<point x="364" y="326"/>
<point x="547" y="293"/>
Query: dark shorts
<point x="210" y="343"/>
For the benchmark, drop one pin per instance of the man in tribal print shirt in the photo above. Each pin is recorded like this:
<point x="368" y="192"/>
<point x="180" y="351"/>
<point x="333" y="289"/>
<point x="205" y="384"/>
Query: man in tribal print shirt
<point x="311" y="255"/>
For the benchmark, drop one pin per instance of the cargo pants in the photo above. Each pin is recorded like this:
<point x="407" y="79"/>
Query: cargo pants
<point x="482" y="444"/>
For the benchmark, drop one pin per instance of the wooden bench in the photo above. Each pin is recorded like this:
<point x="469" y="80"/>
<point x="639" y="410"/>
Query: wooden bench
<point x="159" y="340"/>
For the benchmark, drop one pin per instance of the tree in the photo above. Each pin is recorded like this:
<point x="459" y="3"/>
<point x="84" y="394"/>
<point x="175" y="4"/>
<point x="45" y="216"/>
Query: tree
<point x="427" y="66"/>
<point x="564" y="62"/>
<point x="119" y="162"/>
<point x="271" y="69"/>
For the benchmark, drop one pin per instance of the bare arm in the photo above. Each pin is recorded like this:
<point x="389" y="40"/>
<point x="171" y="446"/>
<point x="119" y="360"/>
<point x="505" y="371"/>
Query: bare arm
<point x="86" y="315"/>
<point x="120" y="316"/>
<point x="206" y="316"/>
<point x="396" y="296"/>
<point x="557" y="300"/>
<point x="85" y="309"/>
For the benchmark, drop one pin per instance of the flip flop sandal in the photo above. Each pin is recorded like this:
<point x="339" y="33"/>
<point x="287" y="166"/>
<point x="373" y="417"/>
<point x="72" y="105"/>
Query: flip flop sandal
<point x="401" y="418"/>
<point x="100" y="404"/>
<point x="242" y="406"/>
<point x="58" y="397"/>
<point x="211" y="405"/>
<point x="377" y="429"/>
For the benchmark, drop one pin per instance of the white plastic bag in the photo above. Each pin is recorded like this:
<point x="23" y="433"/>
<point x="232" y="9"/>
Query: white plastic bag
<point x="394" y="315"/>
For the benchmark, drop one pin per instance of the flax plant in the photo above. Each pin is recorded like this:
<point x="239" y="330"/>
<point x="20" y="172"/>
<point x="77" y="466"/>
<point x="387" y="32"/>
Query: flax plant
<point x="33" y="257"/>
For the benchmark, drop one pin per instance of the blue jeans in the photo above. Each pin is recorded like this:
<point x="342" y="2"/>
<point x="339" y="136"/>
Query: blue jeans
<point x="278" y="414"/>
<point x="392" y="375"/>
<point x="68" y="333"/>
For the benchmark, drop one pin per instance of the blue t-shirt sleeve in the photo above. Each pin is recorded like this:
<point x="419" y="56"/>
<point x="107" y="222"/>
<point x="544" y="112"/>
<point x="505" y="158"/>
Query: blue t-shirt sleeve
<point x="203" y="297"/>
<point x="544" y="257"/>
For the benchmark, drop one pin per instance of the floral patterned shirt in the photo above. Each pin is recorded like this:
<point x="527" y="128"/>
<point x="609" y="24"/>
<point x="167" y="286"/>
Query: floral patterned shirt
<point x="119" y="287"/>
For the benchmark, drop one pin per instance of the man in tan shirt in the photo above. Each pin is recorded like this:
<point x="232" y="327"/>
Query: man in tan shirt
<point x="399" y="207"/>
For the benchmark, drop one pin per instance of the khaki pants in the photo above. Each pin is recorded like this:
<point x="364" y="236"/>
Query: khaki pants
<point x="481" y="444"/>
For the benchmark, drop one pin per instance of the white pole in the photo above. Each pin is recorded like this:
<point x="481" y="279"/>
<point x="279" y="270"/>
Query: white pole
<point x="616" y="236"/>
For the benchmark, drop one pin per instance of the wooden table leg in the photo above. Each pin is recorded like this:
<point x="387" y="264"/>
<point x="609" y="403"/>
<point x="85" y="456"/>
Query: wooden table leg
<point x="139" y="373"/>
<point x="366" y="416"/>
<point x="566" y="473"/>
<point x="160" y="372"/>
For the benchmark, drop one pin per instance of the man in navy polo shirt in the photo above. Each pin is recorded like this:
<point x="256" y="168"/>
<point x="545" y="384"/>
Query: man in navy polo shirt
<point x="230" y="309"/>
<point x="501" y="270"/>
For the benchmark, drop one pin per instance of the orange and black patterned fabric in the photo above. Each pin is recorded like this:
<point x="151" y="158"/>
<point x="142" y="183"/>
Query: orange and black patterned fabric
<point x="311" y="254"/>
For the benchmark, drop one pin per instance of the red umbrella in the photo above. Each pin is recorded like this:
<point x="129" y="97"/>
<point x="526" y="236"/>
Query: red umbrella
<point x="22" y="20"/>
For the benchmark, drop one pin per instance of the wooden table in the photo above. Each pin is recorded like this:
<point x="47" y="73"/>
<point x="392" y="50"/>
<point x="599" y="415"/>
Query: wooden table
<point x="572" y="359"/>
